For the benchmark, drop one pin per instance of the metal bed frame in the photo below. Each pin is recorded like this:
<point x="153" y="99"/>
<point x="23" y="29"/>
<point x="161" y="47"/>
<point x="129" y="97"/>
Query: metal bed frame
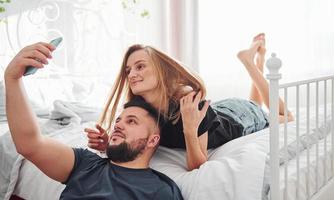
<point x="324" y="190"/>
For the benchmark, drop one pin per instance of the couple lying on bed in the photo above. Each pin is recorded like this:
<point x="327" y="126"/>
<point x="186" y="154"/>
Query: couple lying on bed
<point x="165" y="105"/>
<point x="174" y="92"/>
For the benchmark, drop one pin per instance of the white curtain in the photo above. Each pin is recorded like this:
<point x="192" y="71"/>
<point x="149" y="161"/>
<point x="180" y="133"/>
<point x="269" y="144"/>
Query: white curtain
<point x="182" y="26"/>
<point x="174" y="29"/>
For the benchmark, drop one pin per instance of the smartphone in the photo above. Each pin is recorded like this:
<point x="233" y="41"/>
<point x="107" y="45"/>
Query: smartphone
<point x="31" y="69"/>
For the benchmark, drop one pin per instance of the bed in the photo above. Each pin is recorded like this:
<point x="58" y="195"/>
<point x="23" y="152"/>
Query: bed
<point x="285" y="161"/>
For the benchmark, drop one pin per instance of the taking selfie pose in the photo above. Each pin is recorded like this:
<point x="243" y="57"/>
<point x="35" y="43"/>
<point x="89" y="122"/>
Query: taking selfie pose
<point x="124" y="174"/>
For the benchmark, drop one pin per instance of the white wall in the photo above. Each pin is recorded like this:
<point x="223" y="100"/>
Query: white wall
<point x="298" y="31"/>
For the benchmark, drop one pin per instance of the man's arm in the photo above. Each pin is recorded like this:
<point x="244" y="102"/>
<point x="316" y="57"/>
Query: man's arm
<point x="56" y="160"/>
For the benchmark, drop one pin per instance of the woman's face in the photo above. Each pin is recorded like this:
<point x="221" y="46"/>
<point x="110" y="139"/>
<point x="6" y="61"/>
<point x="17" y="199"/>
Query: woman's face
<point x="141" y="74"/>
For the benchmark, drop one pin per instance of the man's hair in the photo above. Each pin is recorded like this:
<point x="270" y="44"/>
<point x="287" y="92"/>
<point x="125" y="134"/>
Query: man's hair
<point x="139" y="101"/>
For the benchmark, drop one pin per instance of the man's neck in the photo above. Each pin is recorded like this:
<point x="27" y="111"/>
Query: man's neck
<point x="135" y="164"/>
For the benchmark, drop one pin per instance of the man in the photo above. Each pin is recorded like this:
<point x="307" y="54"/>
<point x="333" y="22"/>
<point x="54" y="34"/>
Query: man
<point x="125" y="174"/>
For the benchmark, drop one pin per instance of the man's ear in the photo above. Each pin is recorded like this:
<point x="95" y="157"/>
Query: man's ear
<point x="153" y="140"/>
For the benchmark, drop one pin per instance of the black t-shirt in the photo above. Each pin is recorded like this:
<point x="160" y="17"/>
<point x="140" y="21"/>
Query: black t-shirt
<point x="224" y="121"/>
<point x="97" y="178"/>
<point x="172" y="134"/>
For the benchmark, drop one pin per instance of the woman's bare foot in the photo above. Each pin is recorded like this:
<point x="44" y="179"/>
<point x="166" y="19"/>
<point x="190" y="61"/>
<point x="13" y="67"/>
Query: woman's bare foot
<point x="260" y="56"/>
<point x="262" y="48"/>
<point x="247" y="56"/>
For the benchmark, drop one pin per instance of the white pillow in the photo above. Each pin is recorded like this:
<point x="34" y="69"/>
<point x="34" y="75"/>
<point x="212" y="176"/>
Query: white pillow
<point x="44" y="91"/>
<point x="39" y="110"/>
<point x="92" y="93"/>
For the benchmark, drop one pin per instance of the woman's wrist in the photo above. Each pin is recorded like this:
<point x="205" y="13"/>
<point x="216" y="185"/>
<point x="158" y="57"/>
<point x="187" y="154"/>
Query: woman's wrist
<point x="190" y="132"/>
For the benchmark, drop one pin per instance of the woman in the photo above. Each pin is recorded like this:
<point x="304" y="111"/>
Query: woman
<point x="178" y="95"/>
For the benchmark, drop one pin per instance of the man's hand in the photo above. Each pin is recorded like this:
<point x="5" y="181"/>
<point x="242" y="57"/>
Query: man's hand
<point x="34" y="55"/>
<point x="97" y="139"/>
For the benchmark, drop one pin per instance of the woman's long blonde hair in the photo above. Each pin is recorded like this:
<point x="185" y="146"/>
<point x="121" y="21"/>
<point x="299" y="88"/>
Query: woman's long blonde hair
<point x="172" y="79"/>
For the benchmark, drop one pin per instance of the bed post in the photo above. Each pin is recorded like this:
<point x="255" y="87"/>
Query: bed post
<point x="273" y="64"/>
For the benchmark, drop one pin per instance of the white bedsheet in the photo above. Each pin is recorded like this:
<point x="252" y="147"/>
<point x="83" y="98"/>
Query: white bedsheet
<point x="31" y="183"/>
<point x="65" y="119"/>
<point x="234" y="171"/>
<point x="3" y="128"/>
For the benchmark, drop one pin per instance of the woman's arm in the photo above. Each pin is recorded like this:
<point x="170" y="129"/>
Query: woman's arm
<point x="192" y="117"/>
<point x="196" y="149"/>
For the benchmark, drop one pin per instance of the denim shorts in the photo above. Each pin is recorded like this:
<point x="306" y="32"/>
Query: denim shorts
<point x="247" y="114"/>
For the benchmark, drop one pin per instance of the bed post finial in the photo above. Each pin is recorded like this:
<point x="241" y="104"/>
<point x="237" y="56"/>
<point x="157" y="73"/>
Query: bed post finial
<point x="274" y="64"/>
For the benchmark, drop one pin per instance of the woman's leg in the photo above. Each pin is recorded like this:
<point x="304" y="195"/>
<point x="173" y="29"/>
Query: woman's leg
<point x="259" y="62"/>
<point x="260" y="83"/>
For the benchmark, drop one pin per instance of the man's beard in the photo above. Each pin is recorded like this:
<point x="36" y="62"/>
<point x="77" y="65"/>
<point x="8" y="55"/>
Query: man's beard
<point x="125" y="152"/>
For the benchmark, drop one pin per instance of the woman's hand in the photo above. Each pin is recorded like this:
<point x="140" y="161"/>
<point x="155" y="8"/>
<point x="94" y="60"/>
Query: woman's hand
<point x="34" y="55"/>
<point x="191" y="115"/>
<point x="97" y="139"/>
